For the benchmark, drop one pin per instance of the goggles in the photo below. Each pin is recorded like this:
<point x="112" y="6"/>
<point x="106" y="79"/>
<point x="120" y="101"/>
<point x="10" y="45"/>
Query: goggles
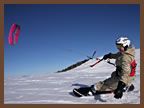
<point x="119" y="46"/>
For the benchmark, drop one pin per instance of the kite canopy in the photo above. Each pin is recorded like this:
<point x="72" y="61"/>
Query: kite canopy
<point x="14" y="34"/>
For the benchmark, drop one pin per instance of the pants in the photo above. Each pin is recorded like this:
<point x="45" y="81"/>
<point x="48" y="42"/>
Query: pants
<point x="108" y="84"/>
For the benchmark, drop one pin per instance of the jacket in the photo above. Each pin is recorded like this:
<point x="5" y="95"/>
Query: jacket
<point x="123" y="62"/>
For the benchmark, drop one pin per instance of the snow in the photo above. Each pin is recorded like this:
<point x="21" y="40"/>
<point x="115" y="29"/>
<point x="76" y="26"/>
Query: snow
<point x="56" y="88"/>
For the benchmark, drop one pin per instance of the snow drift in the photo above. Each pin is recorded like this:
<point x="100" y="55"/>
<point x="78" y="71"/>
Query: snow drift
<point x="56" y="88"/>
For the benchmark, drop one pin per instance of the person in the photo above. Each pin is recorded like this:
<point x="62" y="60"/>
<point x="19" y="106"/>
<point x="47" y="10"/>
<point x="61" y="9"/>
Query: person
<point x="125" y="69"/>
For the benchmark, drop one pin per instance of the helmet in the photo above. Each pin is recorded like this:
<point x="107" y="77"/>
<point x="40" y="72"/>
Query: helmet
<point x="124" y="41"/>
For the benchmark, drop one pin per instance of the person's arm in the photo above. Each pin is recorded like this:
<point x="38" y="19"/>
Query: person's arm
<point x="111" y="56"/>
<point x="125" y="68"/>
<point x="115" y="56"/>
<point x="124" y="72"/>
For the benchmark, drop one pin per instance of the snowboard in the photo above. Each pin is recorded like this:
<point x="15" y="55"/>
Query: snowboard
<point x="87" y="91"/>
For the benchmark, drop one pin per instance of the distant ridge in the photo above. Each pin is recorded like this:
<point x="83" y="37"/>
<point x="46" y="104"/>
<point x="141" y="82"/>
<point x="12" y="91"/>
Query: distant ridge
<point x="73" y="66"/>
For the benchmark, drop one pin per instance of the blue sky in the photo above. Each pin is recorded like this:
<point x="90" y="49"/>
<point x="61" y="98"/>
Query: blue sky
<point x="54" y="36"/>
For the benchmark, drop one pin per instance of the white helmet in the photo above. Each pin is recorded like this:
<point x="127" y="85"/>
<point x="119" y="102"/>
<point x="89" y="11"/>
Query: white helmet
<point x="124" y="41"/>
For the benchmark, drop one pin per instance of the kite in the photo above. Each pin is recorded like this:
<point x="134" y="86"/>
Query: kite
<point x="14" y="34"/>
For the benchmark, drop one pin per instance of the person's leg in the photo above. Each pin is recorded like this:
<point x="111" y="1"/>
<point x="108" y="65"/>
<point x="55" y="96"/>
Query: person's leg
<point x="106" y="85"/>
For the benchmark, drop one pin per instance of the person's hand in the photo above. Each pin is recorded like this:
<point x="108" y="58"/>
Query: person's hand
<point x="118" y="94"/>
<point x="107" y="56"/>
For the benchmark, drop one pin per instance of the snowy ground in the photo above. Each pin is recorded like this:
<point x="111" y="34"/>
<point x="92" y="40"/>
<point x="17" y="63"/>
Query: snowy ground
<point x="56" y="88"/>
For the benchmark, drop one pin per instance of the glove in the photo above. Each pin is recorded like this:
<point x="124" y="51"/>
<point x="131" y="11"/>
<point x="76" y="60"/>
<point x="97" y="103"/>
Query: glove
<point x="107" y="56"/>
<point x="118" y="93"/>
